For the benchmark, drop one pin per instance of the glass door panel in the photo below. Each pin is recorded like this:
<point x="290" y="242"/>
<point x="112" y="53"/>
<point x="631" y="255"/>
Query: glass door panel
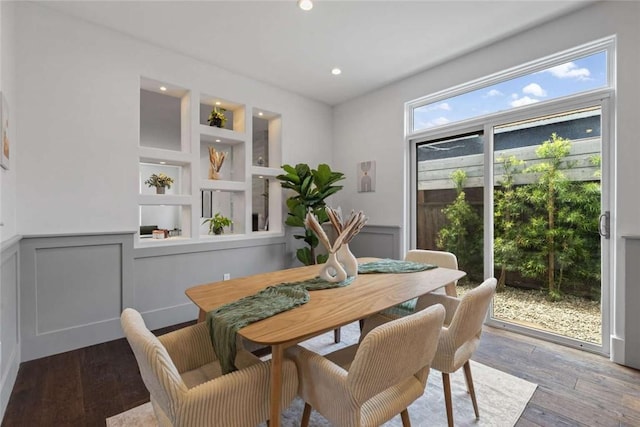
<point x="450" y="186"/>
<point x="546" y="207"/>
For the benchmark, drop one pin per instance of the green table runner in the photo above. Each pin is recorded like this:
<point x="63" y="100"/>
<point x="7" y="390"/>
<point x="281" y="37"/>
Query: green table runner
<point x="393" y="266"/>
<point x="225" y="321"/>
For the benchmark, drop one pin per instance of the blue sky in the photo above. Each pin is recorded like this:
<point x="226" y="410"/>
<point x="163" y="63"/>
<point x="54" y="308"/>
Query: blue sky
<point x="572" y="77"/>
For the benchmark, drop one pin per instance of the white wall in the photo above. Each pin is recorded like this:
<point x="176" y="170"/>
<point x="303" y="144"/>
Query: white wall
<point x="8" y="87"/>
<point x="78" y="114"/>
<point x="9" y="276"/>
<point x="372" y="127"/>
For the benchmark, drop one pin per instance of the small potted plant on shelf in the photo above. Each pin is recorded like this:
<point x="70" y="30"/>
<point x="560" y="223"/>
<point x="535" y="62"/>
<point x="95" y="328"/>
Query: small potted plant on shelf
<point x="217" y="117"/>
<point x="217" y="223"/>
<point x="160" y="181"/>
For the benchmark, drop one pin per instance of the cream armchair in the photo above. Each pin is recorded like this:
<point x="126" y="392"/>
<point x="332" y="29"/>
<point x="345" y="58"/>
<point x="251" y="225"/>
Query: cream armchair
<point x="460" y="336"/>
<point x="183" y="376"/>
<point x="369" y="383"/>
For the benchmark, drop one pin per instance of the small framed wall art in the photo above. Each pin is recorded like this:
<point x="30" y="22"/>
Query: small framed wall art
<point x="5" y="146"/>
<point x="366" y="176"/>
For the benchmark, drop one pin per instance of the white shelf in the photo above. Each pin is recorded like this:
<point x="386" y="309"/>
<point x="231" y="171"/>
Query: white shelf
<point x="157" y="155"/>
<point x="164" y="199"/>
<point x="210" y="134"/>
<point x="270" y="172"/>
<point x="150" y="241"/>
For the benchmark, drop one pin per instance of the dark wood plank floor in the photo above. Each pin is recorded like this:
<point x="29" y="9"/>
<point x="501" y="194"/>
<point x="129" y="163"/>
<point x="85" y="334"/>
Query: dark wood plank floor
<point x="85" y="386"/>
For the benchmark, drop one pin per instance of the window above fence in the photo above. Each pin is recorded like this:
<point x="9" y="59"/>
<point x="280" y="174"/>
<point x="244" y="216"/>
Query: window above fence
<point x="578" y="75"/>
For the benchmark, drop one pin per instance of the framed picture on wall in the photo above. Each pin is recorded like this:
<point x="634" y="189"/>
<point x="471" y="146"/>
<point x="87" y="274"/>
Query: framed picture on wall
<point x="366" y="176"/>
<point x="4" y="133"/>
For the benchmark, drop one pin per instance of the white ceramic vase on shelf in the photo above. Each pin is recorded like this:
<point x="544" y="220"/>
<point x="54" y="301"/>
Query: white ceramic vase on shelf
<point x="332" y="271"/>
<point x="348" y="260"/>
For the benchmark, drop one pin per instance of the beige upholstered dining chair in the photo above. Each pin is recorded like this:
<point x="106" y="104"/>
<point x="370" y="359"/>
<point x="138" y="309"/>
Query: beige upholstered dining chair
<point x="369" y="383"/>
<point x="460" y="336"/>
<point x="183" y="376"/>
<point x="439" y="258"/>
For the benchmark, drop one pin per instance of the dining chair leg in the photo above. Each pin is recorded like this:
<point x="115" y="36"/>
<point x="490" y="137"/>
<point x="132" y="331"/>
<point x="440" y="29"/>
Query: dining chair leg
<point x="336" y="335"/>
<point x="472" y="392"/>
<point x="406" y="422"/>
<point x="306" y="415"/>
<point x="446" y="385"/>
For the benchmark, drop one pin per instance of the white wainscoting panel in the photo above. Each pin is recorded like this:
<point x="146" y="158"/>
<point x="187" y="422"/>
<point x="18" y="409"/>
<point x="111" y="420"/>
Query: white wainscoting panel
<point x="9" y="320"/>
<point x="379" y="241"/>
<point x="73" y="288"/>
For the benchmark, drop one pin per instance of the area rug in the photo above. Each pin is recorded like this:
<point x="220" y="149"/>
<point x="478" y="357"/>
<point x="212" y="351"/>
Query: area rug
<point x="501" y="397"/>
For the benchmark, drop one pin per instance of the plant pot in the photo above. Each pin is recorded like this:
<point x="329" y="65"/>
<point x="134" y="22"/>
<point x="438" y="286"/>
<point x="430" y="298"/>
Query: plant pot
<point x="218" y="230"/>
<point x="159" y="190"/>
<point x="217" y="122"/>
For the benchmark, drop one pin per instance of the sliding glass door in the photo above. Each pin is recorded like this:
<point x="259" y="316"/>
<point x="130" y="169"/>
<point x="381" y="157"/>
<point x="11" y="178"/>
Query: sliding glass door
<point x="522" y="199"/>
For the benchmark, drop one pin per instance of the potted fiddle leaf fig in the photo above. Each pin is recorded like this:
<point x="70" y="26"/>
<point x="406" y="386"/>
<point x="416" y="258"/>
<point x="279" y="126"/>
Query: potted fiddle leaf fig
<point x="160" y="181"/>
<point x="217" y="117"/>
<point x="311" y="187"/>
<point x="217" y="223"/>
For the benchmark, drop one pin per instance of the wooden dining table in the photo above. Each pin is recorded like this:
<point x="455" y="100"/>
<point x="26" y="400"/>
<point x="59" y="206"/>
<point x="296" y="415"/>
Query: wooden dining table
<point x="326" y="310"/>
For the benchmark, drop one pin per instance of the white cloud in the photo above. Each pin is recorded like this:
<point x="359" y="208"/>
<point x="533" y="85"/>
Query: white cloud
<point x="494" y="92"/>
<point x="443" y="106"/>
<point x="438" y="122"/>
<point x="525" y="100"/>
<point x="515" y="96"/>
<point x="569" y="71"/>
<point x="534" y="89"/>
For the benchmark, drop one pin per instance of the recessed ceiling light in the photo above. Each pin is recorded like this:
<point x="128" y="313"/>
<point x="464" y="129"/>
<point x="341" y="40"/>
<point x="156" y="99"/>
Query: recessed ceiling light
<point x="336" y="71"/>
<point x="218" y="102"/>
<point x="163" y="163"/>
<point x="305" y="4"/>
<point x="162" y="88"/>
<point x="260" y="113"/>
<point x="217" y="140"/>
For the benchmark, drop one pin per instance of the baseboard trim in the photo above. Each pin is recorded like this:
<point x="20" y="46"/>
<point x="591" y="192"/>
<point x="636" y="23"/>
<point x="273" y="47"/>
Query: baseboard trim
<point x="8" y="380"/>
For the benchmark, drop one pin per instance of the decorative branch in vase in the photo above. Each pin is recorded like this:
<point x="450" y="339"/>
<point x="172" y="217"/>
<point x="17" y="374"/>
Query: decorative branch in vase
<point x="335" y="270"/>
<point x="216" y="158"/>
<point x="354" y="223"/>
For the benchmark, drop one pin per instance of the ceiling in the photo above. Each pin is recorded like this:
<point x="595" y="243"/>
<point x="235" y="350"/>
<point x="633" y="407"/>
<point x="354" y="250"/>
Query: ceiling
<point x="374" y="42"/>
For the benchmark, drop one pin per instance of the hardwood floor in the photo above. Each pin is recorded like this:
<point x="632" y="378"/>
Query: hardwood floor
<point x="85" y="386"/>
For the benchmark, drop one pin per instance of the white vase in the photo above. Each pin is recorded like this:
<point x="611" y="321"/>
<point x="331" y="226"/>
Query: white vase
<point x="348" y="260"/>
<point x="332" y="271"/>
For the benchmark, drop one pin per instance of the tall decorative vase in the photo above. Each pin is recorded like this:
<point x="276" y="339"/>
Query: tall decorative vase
<point x="216" y="158"/>
<point x="332" y="271"/>
<point x="348" y="260"/>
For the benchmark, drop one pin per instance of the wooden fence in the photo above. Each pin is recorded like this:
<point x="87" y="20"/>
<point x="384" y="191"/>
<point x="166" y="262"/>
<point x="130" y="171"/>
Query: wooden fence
<point x="436" y="188"/>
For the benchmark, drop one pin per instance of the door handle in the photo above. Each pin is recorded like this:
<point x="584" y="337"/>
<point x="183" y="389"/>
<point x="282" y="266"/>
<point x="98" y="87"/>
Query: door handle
<point x="603" y="225"/>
